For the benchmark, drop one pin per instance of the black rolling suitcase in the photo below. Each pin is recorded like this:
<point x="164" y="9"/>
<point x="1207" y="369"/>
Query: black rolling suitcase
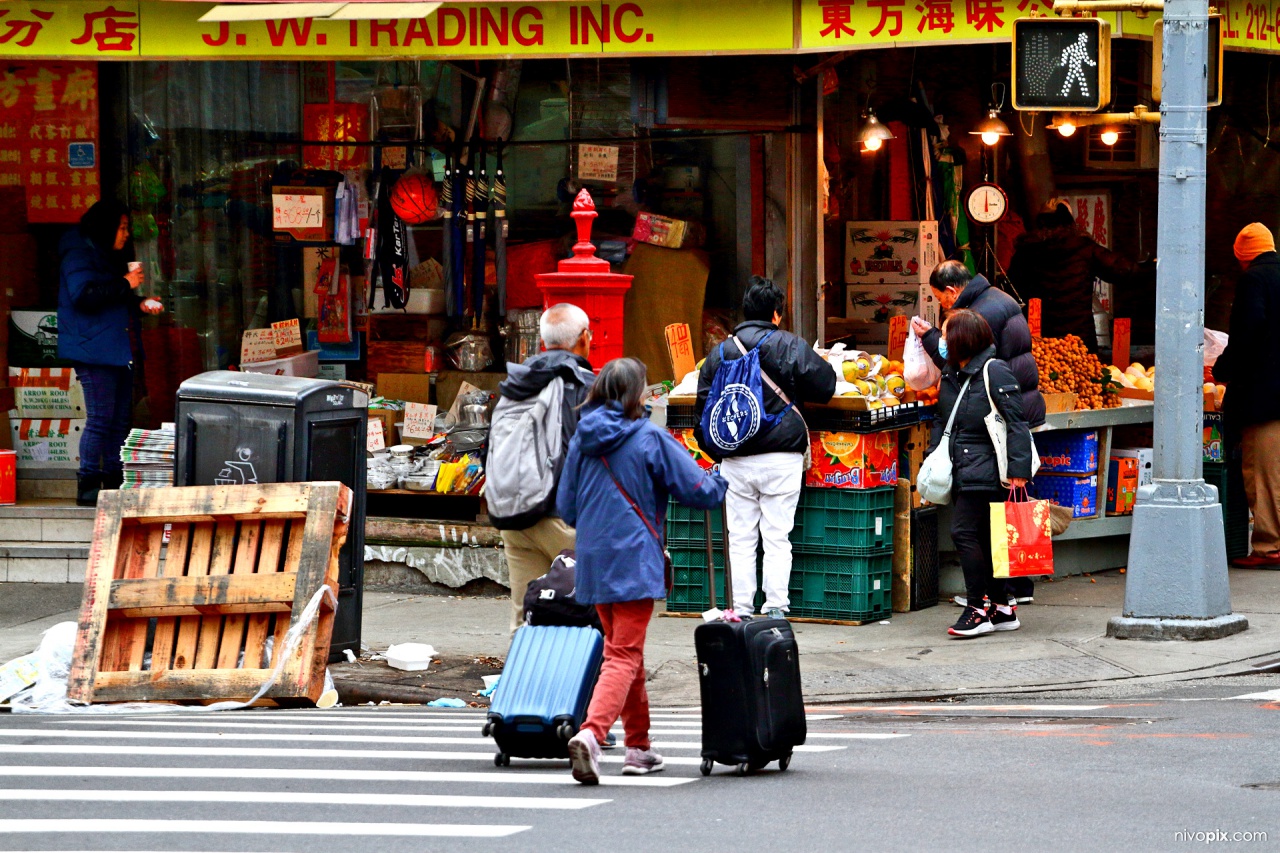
<point x="749" y="680"/>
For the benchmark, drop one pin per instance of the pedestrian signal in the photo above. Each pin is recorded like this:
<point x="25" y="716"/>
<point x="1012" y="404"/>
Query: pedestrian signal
<point x="1061" y="64"/>
<point x="1214" y="87"/>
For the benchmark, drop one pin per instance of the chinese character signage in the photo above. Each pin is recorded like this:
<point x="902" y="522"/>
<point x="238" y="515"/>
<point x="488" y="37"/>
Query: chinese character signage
<point x="49" y="133"/>
<point x="598" y="163"/>
<point x="1061" y="64"/>
<point x="336" y="123"/>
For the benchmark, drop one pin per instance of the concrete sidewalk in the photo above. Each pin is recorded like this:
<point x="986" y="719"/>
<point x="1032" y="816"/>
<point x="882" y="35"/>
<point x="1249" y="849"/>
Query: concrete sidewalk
<point x="1062" y="643"/>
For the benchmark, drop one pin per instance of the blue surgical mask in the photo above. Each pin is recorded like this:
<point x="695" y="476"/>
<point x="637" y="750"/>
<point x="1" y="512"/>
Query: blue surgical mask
<point x="942" y="347"/>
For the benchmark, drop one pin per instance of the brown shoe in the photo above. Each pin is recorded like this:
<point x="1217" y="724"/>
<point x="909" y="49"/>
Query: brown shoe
<point x="1258" y="561"/>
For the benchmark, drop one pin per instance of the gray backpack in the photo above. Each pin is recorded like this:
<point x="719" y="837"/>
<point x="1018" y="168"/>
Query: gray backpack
<point x="526" y="452"/>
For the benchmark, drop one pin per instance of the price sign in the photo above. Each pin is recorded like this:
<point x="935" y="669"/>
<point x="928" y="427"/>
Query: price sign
<point x="598" y="163"/>
<point x="898" y="336"/>
<point x="1120" y="343"/>
<point x="1033" y="316"/>
<point x="257" y="345"/>
<point x="1061" y="64"/>
<point x="288" y="338"/>
<point x="301" y="212"/>
<point x="680" y="348"/>
<point x="419" y="420"/>
<point x="374" y="439"/>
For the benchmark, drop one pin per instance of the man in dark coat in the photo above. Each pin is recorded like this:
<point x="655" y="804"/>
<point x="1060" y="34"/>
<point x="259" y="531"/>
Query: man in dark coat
<point x="955" y="288"/>
<point x="1251" y="363"/>
<point x="765" y="474"/>
<point x="1057" y="263"/>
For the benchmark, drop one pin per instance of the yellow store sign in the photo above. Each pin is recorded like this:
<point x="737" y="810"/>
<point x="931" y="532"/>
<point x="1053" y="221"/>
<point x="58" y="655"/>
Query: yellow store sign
<point x="164" y="29"/>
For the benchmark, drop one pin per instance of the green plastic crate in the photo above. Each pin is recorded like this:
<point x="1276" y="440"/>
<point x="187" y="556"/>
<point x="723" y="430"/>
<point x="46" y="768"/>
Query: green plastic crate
<point x="687" y="528"/>
<point x="856" y="588"/>
<point x="1235" y="507"/>
<point x="688" y="593"/>
<point x="844" y="522"/>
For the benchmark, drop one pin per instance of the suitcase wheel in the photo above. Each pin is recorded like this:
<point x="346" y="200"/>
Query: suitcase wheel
<point x="502" y="760"/>
<point x="744" y="768"/>
<point x="565" y="731"/>
<point x="784" y="763"/>
<point x="487" y="730"/>
<point x="706" y="766"/>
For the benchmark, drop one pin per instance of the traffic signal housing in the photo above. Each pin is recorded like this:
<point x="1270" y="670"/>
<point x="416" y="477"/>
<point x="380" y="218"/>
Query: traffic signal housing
<point x="1061" y="64"/>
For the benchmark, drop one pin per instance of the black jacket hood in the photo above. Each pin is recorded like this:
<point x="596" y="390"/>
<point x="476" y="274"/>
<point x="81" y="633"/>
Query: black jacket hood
<point x="527" y="380"/>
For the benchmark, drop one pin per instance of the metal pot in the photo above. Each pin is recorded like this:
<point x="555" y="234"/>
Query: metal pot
<point x="474" y="417"/>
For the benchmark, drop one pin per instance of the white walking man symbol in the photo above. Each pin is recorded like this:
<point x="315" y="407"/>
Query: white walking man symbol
<point x="1076" y="55"/>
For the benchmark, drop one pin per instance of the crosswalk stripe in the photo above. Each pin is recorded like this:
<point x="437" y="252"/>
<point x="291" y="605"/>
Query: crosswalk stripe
<point x="339" y="798"/>
<point x="77" y="826"/>
<point x="461" y="777"/>
<point x="1266" y="696"/>
<point x="280" y="752"/>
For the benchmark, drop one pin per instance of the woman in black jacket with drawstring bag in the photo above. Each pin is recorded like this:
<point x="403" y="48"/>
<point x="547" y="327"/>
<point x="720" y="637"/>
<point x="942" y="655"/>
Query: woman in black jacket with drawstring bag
<point x="966" y="344"/>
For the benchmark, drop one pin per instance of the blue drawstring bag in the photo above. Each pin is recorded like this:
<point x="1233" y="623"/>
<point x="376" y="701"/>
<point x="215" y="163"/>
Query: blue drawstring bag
<point x="735" y="411"/>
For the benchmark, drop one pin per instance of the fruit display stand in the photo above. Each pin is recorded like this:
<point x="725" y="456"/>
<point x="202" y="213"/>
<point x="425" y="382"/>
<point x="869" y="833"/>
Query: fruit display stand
<point x="1095" y="542"/>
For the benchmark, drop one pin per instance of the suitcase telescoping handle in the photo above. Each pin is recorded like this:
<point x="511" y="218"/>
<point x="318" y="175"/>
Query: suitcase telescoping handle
<point x="728" y="567"/>
<point x="711" y="562"/>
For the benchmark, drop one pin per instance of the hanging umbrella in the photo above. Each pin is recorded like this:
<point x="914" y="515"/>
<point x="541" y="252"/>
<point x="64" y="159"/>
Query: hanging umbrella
<point x="446" y="241"/>
<point x="482" y="216"/>
<point x="469" y="275"/>
<point x="500" y="225"/>
<point x="457" y="237"/>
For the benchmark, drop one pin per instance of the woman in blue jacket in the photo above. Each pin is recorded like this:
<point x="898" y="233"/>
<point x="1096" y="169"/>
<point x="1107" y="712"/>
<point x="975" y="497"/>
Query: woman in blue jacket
<point x="97" y="307"/>
<point x="617" y="478"/>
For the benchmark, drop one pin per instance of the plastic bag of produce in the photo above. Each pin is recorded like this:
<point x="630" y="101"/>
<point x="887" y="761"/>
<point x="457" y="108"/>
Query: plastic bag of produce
<point x="1214" y="343"/>
<point x="917" y="368"/>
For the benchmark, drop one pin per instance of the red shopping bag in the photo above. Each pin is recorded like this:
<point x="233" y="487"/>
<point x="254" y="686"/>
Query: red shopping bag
<point x="1020" y="537"/>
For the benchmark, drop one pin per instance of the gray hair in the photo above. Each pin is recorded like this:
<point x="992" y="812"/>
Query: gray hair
<point x="561" y="325"/>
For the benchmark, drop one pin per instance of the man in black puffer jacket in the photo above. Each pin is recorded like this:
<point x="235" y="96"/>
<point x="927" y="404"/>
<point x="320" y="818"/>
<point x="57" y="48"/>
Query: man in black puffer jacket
<point x="956" y="289"/>
<point x="765" y="474"/>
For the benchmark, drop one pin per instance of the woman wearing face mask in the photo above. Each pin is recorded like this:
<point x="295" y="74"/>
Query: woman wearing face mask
<point x="98" y="305"/>
<point x="967" y="346"/>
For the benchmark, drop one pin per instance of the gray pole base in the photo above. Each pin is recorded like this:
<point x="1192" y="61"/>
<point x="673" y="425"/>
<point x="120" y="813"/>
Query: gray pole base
<point x="1135" y="628"/>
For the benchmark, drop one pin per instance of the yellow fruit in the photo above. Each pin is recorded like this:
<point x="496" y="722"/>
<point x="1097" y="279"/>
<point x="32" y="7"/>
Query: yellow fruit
<point x="875" y="404"/>
<point x="1136" y="366"/>
<point x="1210" y="388"/>
<point x="895" y="384"/>
<point x="864" y="387"/>
<point x="890" y="400"/>
<point x="863" y="365"/>
<point x="850" y="371"/>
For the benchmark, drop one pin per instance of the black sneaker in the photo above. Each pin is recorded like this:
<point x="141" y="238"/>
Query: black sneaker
<point x="1003" y="621"/>
<point x="973" y="623"/>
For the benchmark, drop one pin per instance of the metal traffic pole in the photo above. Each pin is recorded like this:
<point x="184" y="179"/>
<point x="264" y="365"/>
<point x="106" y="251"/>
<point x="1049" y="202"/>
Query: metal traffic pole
<point x="1176" y="586"/>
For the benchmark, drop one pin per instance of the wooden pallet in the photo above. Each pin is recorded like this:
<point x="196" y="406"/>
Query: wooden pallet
<point x="190" y="620"/>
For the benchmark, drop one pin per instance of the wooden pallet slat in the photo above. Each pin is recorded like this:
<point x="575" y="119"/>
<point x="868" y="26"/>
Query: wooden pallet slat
<point x="220" y="590"/>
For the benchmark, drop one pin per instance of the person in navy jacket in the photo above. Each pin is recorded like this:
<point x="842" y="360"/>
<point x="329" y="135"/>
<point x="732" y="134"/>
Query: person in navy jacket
<point x="98" y="305"/>
<point x="617" y="478"/>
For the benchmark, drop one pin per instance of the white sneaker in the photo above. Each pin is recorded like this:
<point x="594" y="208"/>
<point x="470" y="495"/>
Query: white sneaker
<point x="584" y="753"/>
<point x="641" y="761"/>
<point x="963" y="601"/>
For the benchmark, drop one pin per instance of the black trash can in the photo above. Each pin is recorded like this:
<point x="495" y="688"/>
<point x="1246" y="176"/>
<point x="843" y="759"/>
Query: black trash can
<point x="244" y="428"/>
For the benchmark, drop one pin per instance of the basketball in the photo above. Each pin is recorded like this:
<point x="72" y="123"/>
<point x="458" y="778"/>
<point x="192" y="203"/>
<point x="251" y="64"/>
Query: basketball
<point x="413" y="198"/>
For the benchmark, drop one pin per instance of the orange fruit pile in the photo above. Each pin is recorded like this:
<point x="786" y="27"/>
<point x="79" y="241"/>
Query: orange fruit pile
<point x="1066" y="366"/>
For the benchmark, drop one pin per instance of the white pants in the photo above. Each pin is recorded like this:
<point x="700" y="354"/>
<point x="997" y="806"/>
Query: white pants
<point x="761" y="503"/>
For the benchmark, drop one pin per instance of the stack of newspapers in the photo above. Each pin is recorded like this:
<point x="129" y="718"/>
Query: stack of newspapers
<point x="148" y="458"/>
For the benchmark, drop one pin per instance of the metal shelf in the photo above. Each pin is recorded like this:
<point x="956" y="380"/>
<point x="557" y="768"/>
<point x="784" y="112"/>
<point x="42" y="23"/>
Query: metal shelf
<point x="1099" y="418"/>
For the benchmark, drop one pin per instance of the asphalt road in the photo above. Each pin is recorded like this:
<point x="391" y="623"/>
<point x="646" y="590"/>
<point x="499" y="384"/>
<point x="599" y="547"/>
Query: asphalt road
<point x="1127" y="769"/>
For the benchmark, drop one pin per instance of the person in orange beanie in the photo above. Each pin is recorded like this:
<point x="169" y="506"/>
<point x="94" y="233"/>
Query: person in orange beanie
<point x="1251" y="363"/>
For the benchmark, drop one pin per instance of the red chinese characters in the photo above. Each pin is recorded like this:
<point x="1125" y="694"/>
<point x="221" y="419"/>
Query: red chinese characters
<point x="111" y="29"/>
<point x="49" y="137"/>
<point x="936" y="16"/>
<point x="837" y="15"/>
<point x="890" y="15"/>
<point x="13" y="26"/>
<point x="984" y="14"/>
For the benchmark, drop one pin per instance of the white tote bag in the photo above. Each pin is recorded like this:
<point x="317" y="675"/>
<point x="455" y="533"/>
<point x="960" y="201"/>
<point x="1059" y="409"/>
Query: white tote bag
<point x="999" y="432"/>
<point x="934" y="480"/>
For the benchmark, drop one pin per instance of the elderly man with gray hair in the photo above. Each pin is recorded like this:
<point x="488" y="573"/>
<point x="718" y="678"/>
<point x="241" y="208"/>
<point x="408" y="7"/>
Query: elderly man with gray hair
<point x="533" y="534"/>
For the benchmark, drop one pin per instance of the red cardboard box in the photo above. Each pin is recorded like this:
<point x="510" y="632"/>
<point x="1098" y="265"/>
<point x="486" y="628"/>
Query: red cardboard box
<point x="846" y="460"/>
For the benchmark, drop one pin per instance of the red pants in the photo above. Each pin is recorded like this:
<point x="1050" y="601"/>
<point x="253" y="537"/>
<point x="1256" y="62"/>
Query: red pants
<point x="620" y="691"/>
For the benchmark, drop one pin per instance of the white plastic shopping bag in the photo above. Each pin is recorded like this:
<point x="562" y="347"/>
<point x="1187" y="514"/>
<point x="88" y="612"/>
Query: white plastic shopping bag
<point x="918" y="369"/>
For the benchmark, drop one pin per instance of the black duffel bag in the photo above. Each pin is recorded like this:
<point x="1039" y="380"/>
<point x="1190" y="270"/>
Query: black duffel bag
<point x="549" y="599"/>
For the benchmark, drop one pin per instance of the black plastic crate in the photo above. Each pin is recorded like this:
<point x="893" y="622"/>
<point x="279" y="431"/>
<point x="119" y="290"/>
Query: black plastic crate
<point x="872" y="420"/>
<point x="682" y="417"/>
<point x="924" y="557"/>
<point x="1235" y="504"/>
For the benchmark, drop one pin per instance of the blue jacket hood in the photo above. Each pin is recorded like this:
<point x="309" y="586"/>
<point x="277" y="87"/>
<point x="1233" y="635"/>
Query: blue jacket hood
<point x="603" y="429"/>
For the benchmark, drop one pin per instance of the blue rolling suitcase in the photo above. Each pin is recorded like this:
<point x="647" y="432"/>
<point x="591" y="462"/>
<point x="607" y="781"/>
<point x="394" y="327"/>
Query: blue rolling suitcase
<point x="544" y="692"/>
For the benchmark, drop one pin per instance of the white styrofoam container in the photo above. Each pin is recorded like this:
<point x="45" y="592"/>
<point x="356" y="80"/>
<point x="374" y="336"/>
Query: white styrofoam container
<point x="306" y="364"/>
<point x="410" y="656"/>
<point x="43" y="444"/>
<point x="1146" y="457"/>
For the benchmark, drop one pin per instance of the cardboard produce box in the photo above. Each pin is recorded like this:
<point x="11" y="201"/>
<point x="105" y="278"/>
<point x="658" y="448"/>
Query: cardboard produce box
<point x="33" y="339"/>
<point x="846" y="460"/>
<point x="1146" y="457"/>
<point x="408" y="387"/>
<point x="47" y="444"/>
<point x="881" y="253"/>
<point x="1122" y="485"/>
<point x="689" y="443"/>
<point x="47" y="392"/>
